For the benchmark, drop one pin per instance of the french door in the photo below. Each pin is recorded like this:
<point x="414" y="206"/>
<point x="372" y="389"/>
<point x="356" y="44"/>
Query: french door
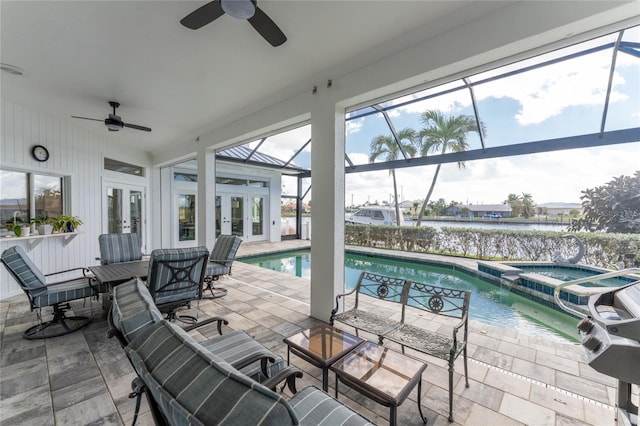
<point x="123" y="209"/>
<point x="242" y="215"/>
<point x="185" y="218"/>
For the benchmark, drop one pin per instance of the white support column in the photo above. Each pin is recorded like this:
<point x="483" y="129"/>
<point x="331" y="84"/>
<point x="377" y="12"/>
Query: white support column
<point x="206" y="198"/>
<point x="327" y="196"/>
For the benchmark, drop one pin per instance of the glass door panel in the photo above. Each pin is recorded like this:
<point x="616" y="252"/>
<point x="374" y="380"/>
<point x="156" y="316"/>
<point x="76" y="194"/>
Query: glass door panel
<point x="257" y="216"/>
<point x="237" y="216"/>
<point x="135" y="212"/>
<point x="123" y="210"/>
<point x="218" y="216"/>
<point x="186" y="218"/>
<point x="114" y="211"/>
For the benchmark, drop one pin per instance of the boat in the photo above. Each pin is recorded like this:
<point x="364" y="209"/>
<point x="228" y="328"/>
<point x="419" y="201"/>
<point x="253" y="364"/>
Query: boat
<point x="375" y="215"/>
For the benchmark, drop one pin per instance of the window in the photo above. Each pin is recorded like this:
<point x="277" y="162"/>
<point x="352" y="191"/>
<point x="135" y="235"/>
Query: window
<point x="24" y="196"/>
<point x="120" y="167"/>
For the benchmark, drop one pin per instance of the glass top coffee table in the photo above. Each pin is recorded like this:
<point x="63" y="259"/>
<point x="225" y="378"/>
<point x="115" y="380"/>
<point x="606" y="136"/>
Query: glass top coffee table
<point x="381" y="374"/>
<point x="321" y="346"/>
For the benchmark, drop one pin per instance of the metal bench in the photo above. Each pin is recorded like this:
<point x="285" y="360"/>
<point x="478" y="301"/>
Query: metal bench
<point x="409" y="297"/>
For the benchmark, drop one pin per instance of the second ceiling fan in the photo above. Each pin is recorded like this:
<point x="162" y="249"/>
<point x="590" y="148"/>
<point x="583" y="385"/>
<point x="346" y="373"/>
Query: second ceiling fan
<point x="240" y="9"/>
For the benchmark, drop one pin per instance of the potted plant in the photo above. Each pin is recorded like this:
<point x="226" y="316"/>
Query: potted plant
<point x="67" y="223"/>
<point x="44" y="225"/>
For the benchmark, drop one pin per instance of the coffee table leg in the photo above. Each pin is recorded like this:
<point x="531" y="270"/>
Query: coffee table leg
<point x="393" y="414"/>
<point x="419" y="403"/>
<point x="325" y="379"/>
<point x="336" y="387"/>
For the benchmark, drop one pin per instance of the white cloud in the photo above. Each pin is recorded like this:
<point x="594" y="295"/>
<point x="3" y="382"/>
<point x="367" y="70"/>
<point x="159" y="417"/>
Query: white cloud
<point x="550" y="177"/>
<point x="542" y="93"/>
<point x="354" y="126"/>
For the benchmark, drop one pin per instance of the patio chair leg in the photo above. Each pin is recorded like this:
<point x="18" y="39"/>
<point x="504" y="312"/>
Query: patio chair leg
<point x="451" y="389"/>
<point x="59" y="318"/>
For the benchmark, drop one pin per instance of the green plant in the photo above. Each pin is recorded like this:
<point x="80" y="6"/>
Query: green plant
<point x="17" y="229"/>
<point x="66" y="223"/>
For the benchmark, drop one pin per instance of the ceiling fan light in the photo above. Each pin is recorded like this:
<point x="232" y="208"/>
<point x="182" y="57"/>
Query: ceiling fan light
<point x="113" y="125"/>
<point x="240" y="9"/>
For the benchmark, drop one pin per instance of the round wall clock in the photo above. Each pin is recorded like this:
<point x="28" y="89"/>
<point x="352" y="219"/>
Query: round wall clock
<point x="40" y="153"/>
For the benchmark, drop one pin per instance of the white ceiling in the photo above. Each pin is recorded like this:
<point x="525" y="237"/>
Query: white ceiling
<point x="79" y="55"/>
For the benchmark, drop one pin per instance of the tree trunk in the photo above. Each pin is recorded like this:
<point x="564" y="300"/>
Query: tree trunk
<point x="395" y="195"/>
<point x="426" y="200"/>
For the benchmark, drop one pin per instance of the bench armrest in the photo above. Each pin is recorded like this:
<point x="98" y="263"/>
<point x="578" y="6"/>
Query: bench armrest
<point x="335" y="310"/>
<point x="454" y="347"/>
<point x="289" y="374"/>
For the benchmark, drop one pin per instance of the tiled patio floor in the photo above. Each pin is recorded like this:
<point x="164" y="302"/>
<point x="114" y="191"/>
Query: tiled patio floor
<point x="84" y="378"/>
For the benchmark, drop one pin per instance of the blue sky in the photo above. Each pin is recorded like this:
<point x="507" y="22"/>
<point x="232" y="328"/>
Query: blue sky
<point x="564" y="99"/>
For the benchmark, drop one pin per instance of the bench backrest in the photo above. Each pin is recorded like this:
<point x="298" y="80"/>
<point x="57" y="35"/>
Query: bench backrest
<point x="380" y="286"/>
<point x="438" y="300"/>
<point x="190" y="385"/>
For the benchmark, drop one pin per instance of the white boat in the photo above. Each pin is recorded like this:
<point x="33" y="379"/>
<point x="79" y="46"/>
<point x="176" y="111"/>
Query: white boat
<point x="375" y="215"/>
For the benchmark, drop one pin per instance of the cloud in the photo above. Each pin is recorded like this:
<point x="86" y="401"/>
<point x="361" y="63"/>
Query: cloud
<point x="354" y="126"/>
<point x="542" y="93"/>
<point x="550" y="177"/>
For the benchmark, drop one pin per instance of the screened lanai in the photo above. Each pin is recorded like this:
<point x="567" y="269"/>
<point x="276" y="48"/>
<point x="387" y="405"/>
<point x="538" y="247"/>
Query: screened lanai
<point x="579" y="97"/>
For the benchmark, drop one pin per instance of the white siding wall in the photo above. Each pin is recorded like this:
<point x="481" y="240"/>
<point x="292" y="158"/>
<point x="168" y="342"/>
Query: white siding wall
<point x="74" y="152"/>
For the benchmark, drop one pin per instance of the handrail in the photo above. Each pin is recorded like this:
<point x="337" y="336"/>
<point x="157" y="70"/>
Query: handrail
<point x="612" y="274"/>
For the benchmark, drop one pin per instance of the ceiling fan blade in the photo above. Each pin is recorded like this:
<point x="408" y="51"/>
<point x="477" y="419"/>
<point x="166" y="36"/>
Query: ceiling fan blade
<point x="86" y="118"/>
<point x="135" y="126"/>
<point x="203" y="15"/>
<point x="267" y="28"/>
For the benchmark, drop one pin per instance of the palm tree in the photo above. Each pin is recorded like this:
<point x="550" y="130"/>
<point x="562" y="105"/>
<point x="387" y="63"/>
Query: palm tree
<point x="515" y="201"/>
<point x="444" y="134"/>
<point x="385" y="147"/>
<point x="527" y="205"/>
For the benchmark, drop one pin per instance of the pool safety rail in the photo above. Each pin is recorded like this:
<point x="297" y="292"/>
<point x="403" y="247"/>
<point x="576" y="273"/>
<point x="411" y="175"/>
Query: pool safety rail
<point x="611" y="337"/>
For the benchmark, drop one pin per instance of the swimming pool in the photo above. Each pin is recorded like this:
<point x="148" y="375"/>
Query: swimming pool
<point x="490" y="304"/>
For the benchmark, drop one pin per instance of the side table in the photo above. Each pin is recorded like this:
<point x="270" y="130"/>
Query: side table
<point x="321" y="346"/>
<point x="385" y="376"/>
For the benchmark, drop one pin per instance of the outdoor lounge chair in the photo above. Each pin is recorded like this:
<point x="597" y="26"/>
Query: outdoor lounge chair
<point x="116" y="248"/>
<point x="133" y="309"/>
<point x="175" y="279"/>
<point x="186" y="384"/>
<point x="222" y="257"/>
<point x="56" y="294"/>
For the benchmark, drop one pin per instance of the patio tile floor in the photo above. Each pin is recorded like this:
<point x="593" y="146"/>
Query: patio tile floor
<point x="84" y="378"/>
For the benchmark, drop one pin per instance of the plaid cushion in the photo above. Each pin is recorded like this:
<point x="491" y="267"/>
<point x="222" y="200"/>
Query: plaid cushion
<point x="315" y="407"/>
<point x="24" y="270"/>
<point x="215" y="269"/>
<point x="238" y="345"/>
<point x="225" y="249"/>
<point x="34" y="283"/>
<point x="163" y="267"/>
<point x="192" y="386"/>
<point x="132" y="308"/>
<point x="115" y="248"/>
<point x="64" y="292"/>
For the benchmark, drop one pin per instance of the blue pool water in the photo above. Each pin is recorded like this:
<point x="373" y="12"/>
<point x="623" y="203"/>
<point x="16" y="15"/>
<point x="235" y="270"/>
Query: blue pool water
<point x="489" y="303"/>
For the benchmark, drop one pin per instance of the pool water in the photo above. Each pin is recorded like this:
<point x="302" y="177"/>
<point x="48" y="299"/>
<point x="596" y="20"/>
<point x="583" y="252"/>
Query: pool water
<point x="490" y="304"/>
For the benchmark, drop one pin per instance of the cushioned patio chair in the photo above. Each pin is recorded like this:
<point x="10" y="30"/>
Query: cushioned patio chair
<point x="222" y="257"/>
<point x="116" y="248"/>
<point x="187" y="384"/>
<point x="175" y="279"/>
<point x="133" y="309"/>
<point x="42" y="294"/>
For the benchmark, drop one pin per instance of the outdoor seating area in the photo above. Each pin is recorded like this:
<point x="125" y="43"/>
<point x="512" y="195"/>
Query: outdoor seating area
<point x="405" y="295"/>
<point x="514" y="378"/>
